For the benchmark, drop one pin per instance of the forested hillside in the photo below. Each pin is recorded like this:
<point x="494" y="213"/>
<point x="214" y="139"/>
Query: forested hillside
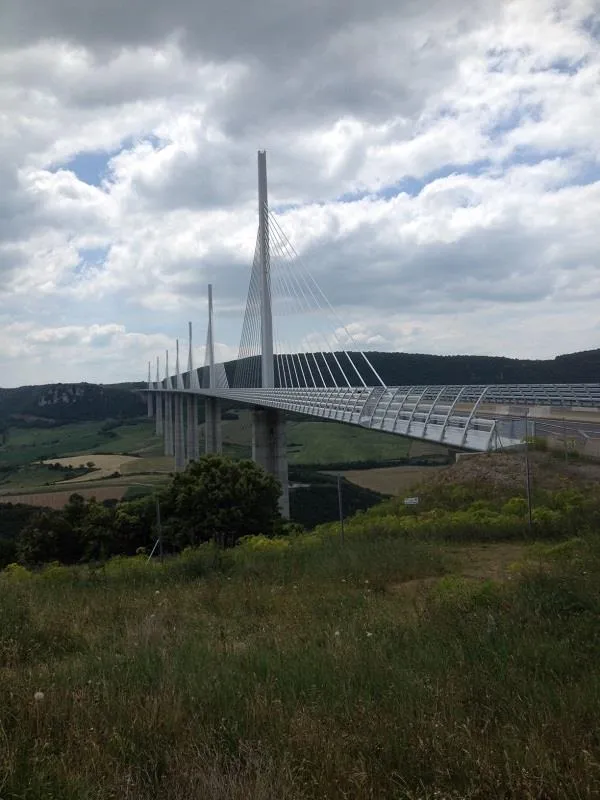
<point x="401" y="369"/>
<point x="61" y="402"/>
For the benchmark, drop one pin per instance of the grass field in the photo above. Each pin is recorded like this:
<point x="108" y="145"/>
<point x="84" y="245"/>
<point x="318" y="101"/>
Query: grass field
<point x="25" y="445"/>
<point x="309" y="443"/>
<point x="315" y="442"/>
<point x="383" y="668"/>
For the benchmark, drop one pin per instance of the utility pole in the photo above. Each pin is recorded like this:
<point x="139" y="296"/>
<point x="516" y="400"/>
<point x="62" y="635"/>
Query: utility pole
<point x="528" y="478"/>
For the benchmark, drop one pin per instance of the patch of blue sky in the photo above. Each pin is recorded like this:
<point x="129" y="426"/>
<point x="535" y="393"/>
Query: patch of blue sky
<point x="92" y="166"/>
<point x="413" y="185"/>
<point x="91" y="258"/>
<point x="528" y="155"/>
<point x="567" y="66"/>
<point x="514" y="118"/>
<point x="586" y="174"/>
<point x="591" y="25"/>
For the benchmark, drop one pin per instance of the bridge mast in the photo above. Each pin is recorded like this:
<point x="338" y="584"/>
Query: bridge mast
<point x="266" y="314"/>
<point x="268" y="424"/>
<point x="213" y="440"/>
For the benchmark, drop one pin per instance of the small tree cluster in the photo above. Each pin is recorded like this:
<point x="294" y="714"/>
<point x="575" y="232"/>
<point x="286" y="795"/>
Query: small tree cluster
<point x="85" y="530"/>
<point x="220" y="499"/>
<point x="216" y="498"/>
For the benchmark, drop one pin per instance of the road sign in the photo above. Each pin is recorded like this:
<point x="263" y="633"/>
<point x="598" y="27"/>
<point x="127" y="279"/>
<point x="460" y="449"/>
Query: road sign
<point x="411" y="501"/>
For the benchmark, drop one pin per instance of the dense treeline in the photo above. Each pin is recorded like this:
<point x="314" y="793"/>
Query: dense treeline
<point x="399" y="369"/>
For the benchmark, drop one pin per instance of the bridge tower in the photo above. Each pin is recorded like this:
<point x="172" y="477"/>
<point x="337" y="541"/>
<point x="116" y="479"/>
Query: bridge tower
<point x="158" y="402"/>
<point x="268" y="425"/>
<point x="178" y="421"/>
<point x="150" y="403"/>
<point x="213" y="439"/>
<point x="192" y="445"/>
<point x="168" y="420"/>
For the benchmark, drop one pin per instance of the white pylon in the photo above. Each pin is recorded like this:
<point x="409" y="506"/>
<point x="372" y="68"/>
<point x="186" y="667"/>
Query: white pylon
<point x="192" y="449"/>
<point x="266" y="311"/>
<point x="149" y="393"/>
<point x="168" y="424"/>
<point x="159" y="401"/>
<point x="179" y="439"/>
<point x="213" y="440"/>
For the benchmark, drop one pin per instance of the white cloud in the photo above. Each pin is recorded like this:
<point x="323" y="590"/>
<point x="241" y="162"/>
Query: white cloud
<point x="436" y="165"/>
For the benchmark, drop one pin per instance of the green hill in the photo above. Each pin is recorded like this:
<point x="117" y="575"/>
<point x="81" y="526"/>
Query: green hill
<point x="59" y="403"/>
<point x="401" y="369"/>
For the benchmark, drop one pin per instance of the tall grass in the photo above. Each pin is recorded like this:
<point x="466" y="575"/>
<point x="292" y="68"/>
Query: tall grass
<point x="300" y="671"/>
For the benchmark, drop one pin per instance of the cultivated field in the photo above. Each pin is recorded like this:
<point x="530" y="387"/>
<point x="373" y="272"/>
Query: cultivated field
<point x="58" y="499"/>
<point x="105" y="464"/>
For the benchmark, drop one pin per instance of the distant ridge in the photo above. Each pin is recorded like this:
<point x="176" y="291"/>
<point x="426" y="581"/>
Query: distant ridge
<point x="59" y="403"/>
<point x="402" y="369"/>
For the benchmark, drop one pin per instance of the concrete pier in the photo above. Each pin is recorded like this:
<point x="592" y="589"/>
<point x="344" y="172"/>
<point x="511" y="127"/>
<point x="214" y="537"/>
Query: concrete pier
<point x="213" y="442"/>
<point x="168" y="424"/>
<point x="178" y="433"/>
<point x="269" y="449"/>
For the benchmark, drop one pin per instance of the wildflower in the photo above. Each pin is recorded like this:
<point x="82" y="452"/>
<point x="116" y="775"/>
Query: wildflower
<point x="157" y="591"/>
<point x="337" y="633"/>
<point x="38" y="697"/>
<point x="369" y="634"/>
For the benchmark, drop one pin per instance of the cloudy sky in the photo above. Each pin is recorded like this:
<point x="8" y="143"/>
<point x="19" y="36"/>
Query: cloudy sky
<point x="435" y="163"/>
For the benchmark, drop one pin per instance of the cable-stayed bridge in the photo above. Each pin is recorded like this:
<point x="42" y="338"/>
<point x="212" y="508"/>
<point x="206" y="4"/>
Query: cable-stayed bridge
<point x="296" y="355"/>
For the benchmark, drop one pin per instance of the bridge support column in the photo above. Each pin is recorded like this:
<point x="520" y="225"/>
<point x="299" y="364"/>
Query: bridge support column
<point x="168" y="424"/>
<point x="269" y="449"/>
<point x="213" y="439"/>
<point x="192" y="428"/>
<point x="178" y="432"/>
<point x="158" y="399"/>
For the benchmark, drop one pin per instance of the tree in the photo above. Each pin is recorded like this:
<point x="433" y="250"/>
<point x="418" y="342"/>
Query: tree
<point x="134" y="525"/>
<point x="49" y="536"/>
<point x="220" y="499"/>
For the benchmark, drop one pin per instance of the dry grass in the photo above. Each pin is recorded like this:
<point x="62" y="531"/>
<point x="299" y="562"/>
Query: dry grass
<point x="157" y="464"/>
<point x="390" y="480"/>
<point x="106" y="464"/>
<point x="506" y="471"/>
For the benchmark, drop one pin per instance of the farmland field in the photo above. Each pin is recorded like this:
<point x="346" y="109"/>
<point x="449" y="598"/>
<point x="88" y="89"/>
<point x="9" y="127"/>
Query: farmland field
<point x="25" y="445"/>
<point x="61" y="498"/>
<point x="105" y="465"/>
<point x="134" y="449"/>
